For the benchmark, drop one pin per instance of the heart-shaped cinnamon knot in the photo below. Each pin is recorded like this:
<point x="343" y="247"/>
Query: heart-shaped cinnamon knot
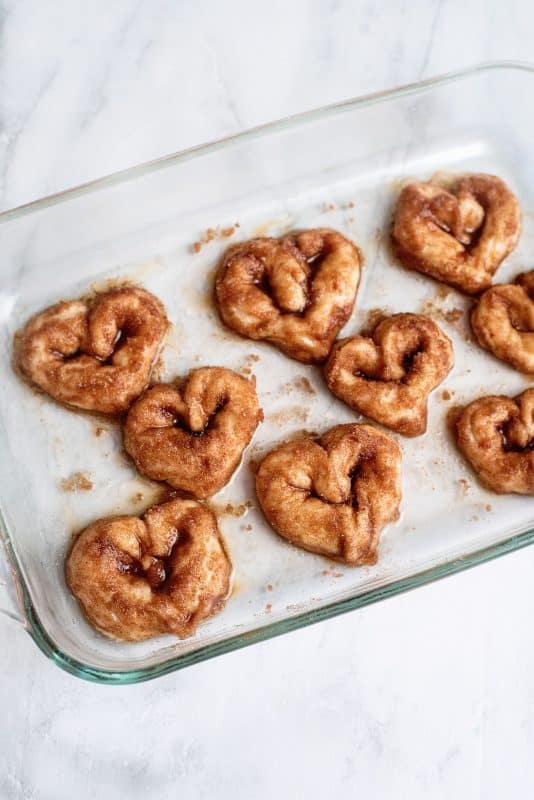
<point x="333" y="495"/>
<point x="295" y="292"/>
<point x="193" y="436"/>
<point x="164" y="573"/>
<point x="496" y="435"/>
<point x="458" y="236"/>
<point x="389" y="375"/>
<point x="96" y="354"/>
<point x="503" y="322"/>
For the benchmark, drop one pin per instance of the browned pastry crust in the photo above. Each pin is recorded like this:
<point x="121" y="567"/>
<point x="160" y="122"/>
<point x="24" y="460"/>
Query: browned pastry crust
<point x="458" y="236"/>
<point x="503" y="322"/>
<point x="333" y="496"/>
<point x="389" y="375"/>
<point x="165" y="573"/>
<point x="96" y="354"/>
<point x="296" y="292"/>
<point x="193" y="436"/>
<point x="496" y="435"/>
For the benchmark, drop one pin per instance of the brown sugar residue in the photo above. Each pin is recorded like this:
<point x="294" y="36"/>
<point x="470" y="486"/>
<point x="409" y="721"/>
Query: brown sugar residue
<point x="269" y="587"/>
<point x="350" y="204"/>
<point x="446" y="394"/>
<point x="231" y="509"/>
<point x="464" y="486"/>
<point x="332" y="573"/>
<point x="77" y="482"/>
<point x="211" y="234"/>
<point x="268" y="608"/>
<point x="247" y="527"/>
<point x="488" y="507"/>
<point x="289" y="415"/>
<point x="246" y="368"/>
<point x="327" y="207"/>
<point x="99" y="430"/>
<point x="301" y="384"/>
<point x="454" y="316"/>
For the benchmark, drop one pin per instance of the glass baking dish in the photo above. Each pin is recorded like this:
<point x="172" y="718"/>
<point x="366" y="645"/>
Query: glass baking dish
<point x="340" y="167"/>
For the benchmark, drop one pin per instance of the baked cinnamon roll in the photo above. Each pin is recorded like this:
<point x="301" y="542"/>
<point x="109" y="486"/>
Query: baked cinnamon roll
<point x="141" y="577"/>
<point x="460" y="235"/>
<point x="333" y="495"/>
<point x="496" y="435"/>
<point x="503" y="322"/>
<point x="295" y="292"/>
<point x="96" y="354"/>
<point x="388" y="376"/>
<point x="193" y="436"/>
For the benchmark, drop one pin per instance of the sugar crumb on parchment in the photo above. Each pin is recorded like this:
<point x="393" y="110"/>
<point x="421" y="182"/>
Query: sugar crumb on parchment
<point x="211" y="234"/>
<point x="288" y="415"/>
<point x="464" y="486"/>
<point x="76" y="482"/>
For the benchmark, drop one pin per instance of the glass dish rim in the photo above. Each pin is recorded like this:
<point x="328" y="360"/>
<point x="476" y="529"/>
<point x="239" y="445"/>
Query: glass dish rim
<point x="121" y="677"/>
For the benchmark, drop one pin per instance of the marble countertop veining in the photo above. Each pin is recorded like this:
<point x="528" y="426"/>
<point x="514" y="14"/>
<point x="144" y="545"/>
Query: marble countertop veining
<point x="428" y="695"/>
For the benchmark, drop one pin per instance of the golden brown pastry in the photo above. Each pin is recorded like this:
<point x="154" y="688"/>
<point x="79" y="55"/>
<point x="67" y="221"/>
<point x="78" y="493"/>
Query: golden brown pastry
<point x="193" y="436"/>
<point x="96" y="354"/>
<point x="295" y="292"/>
<point x="496" y="435"/>
<point x="333" y="495"/>
<point x="389" y="375"/>
<point x="503" y="322"/>
<point x="164" y="573"/>
<point x="458" y="236"/>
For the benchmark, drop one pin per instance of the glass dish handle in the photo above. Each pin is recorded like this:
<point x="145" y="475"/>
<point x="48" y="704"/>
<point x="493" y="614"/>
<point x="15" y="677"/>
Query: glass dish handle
<point x="9" y="601"/>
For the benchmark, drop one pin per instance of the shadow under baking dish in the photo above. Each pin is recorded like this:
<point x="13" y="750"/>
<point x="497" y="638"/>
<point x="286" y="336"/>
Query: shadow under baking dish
<point x="340" y="167"/>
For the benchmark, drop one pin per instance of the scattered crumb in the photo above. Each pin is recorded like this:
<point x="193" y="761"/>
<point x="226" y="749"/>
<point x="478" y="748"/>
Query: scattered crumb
<point x="464" y="486"/>
<point x="332" y="573"/>
<point x="269" y="587"/>
<point x="488" y="507"/>
<point x="446" y="394"/>
<point x="453" y="315"/>
<point x="300" y="384"/>
<point x="247" y="527"/>
<point x="231" y="509"/>
<point x="329" y="207"/>
<point x="137" y="497"/>
<point x="288" y="415"/>
<point x="214" y="233"/>
<point x="268" y="607"/>
<point x="443" y="292"/>
<point x="350" y="204"/>
<point x="77" y="482"/>
<point x="99" y="430"/>
<point x="303" y="384"/>
<point x="246" y="368"/>
<point x="474" y="518"/>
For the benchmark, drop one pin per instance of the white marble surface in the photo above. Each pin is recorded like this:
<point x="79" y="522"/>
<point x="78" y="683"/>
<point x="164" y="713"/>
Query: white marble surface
<point x="427" y="695"/>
